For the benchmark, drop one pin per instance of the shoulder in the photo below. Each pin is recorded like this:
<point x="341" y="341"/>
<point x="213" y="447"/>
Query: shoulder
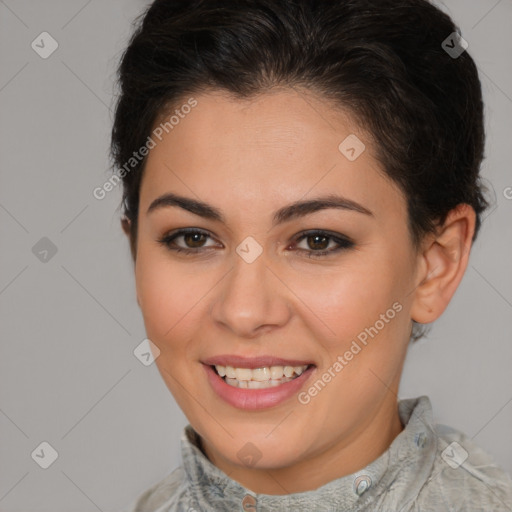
<point x="168" y="492"/>
<point x="464" y="477"/>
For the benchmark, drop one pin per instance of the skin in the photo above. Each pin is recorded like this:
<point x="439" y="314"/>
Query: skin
<point x="248" y="159"/>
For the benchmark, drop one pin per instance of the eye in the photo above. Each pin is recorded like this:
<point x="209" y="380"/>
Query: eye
<point x="193" y="238"/>
<point x="318" y="242"/>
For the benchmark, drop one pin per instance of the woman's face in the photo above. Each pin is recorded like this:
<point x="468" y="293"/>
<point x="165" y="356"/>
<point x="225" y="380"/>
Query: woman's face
<point x="256" y="291"/>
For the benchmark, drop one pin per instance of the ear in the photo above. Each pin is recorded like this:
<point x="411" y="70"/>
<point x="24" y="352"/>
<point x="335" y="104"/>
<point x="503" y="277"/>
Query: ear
<point x="443" y="261"/>
<point x="126" y="224"/>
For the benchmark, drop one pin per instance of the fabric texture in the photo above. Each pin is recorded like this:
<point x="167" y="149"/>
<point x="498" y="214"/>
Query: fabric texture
<point x="426" y="468"/>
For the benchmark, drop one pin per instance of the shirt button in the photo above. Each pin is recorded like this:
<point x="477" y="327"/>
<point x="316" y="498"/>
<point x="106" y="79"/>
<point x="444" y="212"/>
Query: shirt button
<point x="421" y="439"/>
<point x="362" y="484"/>
<point x="249" y="503"/>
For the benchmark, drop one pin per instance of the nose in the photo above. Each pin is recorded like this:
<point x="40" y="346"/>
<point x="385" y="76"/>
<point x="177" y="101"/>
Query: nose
<point x="251" y="300"/>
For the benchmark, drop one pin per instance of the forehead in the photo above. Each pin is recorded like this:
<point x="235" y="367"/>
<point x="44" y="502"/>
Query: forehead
<point x="274" y="148"/>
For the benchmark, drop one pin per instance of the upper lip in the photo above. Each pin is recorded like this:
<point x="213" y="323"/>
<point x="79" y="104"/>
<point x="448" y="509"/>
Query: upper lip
<point x="253" y="362"/>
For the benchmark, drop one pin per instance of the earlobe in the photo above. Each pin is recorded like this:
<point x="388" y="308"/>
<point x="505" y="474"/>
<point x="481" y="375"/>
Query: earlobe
<point x="443" y="262"/>
<point x="126" y="224"/>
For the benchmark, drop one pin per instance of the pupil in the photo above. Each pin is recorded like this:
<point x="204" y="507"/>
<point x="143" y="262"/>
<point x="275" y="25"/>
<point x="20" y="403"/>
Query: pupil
<point x="316" y="237"/>
<point x="193" y="235"/>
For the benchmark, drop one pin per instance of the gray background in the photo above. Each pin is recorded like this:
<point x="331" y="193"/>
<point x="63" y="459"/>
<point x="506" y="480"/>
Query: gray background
<point x="69" y="325"/>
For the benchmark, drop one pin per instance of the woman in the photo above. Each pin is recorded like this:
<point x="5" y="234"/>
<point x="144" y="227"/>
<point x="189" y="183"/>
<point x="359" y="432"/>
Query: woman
<point x="301" y="192"/>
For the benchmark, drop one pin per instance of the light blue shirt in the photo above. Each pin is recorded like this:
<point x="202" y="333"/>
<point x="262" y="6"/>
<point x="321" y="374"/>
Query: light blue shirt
<point x="427" y="467"/>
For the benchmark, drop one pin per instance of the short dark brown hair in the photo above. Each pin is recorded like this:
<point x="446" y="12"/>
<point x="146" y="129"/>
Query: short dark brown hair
<point x="382" y="60"/>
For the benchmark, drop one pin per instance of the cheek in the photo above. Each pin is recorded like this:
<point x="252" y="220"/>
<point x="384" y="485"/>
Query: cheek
<point x="365" y="309"/>
<point x="368" y="309"/>
<point x="170" y="301"/>
<point x="169" y="296"/>
<point x="364" y="305"/>
<point x="351" y="298"/>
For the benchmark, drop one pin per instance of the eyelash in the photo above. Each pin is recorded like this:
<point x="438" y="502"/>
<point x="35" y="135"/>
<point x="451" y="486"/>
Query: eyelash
<point x="343" y="242"/>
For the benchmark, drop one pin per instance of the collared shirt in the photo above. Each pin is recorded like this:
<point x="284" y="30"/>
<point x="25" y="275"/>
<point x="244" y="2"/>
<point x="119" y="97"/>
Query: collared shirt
<point x="427" y="467"/>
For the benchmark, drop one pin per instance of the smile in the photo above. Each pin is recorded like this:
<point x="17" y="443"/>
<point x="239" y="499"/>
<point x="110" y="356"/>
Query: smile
<point x="259" y="378"/>
<point x="256" y="383"/>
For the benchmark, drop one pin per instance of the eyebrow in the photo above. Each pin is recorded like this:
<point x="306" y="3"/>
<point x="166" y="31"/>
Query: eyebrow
<point x="292" y="211"/>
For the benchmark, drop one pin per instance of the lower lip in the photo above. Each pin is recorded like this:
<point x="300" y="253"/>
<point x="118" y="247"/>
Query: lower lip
<point x="256" y="398"/>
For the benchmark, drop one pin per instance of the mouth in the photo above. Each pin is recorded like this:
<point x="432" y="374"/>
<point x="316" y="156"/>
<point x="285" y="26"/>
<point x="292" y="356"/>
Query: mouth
<point x="259" y="378"/>
<point x="257" y="382"/>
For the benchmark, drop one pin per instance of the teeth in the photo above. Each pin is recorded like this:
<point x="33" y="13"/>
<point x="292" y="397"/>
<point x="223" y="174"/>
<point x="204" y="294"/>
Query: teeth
<point x="252" y="378"/>
<point x="288" y="371"/>
<point x="261" y="374"/>
<point x="254" y="384"/>
<point x="299" y="369"/>
<point x="230" y="372"/>
<point x="243" y="373"/>
<point x="276" y="372"/>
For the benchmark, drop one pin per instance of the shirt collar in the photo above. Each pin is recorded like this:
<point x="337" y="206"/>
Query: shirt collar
<point x="402" y="469"/>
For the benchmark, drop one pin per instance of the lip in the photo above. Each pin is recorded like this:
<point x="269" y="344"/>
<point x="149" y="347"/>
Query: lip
<point x="252" y="362"/>
<point x="254" y="399"/>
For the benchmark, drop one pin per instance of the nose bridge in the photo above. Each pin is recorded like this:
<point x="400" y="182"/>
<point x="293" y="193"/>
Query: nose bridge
<point x="250" y="295"/>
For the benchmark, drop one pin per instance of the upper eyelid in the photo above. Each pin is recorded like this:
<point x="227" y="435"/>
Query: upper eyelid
<point x="336" y="237"/>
